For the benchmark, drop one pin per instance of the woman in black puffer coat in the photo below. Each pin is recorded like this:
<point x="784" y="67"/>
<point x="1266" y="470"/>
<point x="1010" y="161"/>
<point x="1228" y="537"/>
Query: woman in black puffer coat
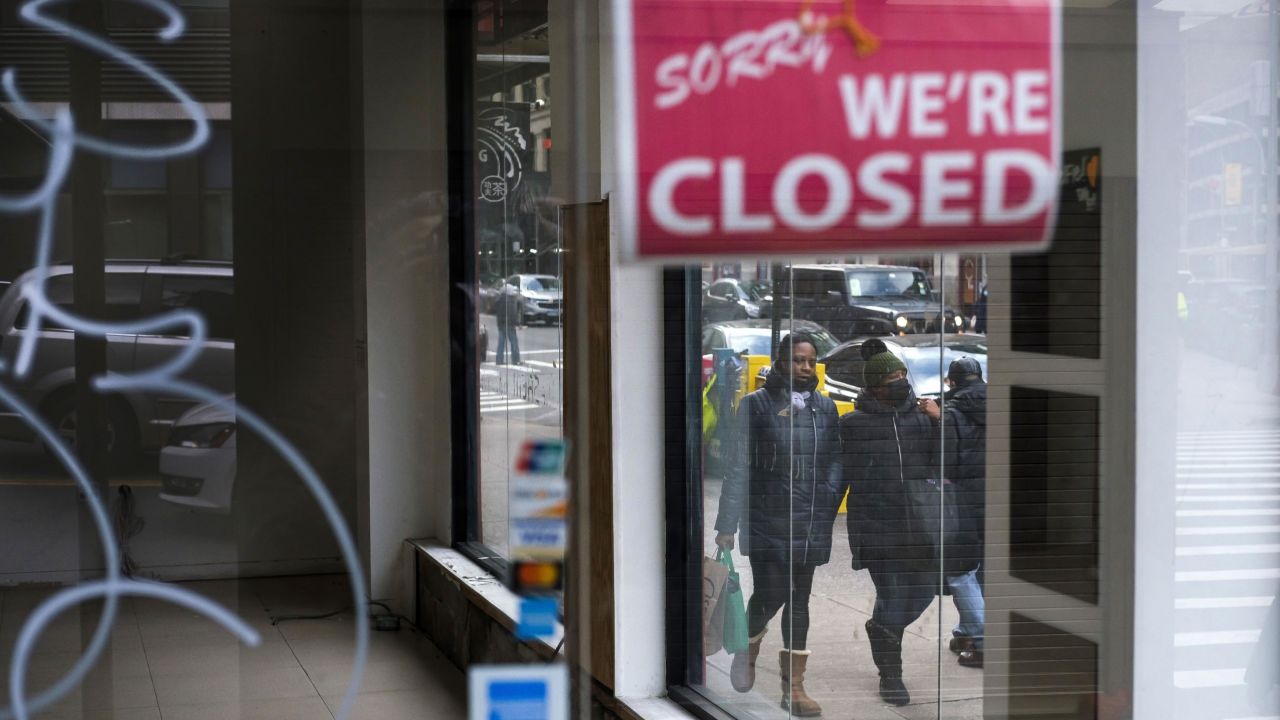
<point x="782" y="491"/>
<point x="889" y="443"/>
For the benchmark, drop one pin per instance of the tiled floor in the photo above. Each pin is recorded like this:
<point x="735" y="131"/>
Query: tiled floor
<point x="167" y="663"/>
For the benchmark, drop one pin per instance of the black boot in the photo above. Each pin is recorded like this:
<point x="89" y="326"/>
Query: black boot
<point x="886" y="652"/>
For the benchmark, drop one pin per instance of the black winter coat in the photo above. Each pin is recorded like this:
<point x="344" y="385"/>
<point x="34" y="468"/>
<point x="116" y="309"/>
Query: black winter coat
<point x="506" y="308"/>
<point x="966" y="431"/>
<point x="884" y="448"/>
<point x="783" y="483"/>
<point x="965" y="425"/>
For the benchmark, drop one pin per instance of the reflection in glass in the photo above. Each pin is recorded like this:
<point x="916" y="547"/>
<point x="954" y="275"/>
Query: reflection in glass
<point x="518" y="270"/>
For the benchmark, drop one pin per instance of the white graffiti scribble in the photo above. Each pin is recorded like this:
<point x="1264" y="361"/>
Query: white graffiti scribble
<point x="64" y="141"/>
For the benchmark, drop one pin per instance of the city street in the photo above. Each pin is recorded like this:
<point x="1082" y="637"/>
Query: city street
<point x="1227" y="539"/>
<point x="1228" y="569"/>
<point x="517" y="403"/>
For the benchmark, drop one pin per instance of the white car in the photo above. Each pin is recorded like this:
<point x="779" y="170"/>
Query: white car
<point x="540" y="298"/>
<point x="198" y="464"/>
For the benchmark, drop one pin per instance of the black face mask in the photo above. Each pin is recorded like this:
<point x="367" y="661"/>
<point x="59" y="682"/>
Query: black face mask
<point x="897" y="392"/>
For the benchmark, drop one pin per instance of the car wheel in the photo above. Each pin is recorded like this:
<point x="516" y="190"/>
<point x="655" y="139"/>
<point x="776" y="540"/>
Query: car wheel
<point x="123" y="446"/>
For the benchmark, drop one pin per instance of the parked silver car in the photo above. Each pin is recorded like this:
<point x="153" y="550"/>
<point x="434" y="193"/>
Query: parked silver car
<point x="137" y="421"/>
<point x="540" y="298"/>
<point x="198" y="465"/>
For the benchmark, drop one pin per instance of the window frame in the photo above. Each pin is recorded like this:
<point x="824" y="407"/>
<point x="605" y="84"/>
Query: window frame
<point x="464" y="372"/>
<point x="682" y="436"/>
<point x="682" y="394"/>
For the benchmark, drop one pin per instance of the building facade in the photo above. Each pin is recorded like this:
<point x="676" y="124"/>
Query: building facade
<point x="417" y="202"/>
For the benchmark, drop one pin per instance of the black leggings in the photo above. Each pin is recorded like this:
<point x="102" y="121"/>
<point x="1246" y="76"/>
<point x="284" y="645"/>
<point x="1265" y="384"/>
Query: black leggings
<point x="780" y="585"/>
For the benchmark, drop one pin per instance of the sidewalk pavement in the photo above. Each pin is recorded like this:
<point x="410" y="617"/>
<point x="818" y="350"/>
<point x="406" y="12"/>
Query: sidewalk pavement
<point x="841" y="675"/>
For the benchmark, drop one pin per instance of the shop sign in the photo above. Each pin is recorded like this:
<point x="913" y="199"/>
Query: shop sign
<point x="538" y="506"/>
<point x="794" y="127"/>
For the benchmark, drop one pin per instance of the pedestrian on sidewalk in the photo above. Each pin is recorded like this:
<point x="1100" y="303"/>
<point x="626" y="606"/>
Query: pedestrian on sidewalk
<point x="888" y="441"/>
<point x="507" y="310"/>
<point x="964" y="428"/>
<point x="782" y="492"/>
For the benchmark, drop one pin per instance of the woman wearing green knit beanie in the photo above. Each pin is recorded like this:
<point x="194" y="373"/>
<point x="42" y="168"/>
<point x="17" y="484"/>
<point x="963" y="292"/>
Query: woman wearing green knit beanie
<point x="880" y="366"/>
<point x="888" y="443"/>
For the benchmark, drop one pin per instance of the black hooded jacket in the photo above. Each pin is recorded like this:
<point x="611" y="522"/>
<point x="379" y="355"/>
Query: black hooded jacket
<point x="783" y="484"/>
<point x="884" y="448"/>
<point x="965" y="428"/>
<point x="965" y="422"/>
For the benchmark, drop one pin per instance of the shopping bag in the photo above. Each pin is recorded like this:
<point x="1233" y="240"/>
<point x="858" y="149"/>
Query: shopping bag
<point x="937" y="537"/>
<point x="714" y="576"/>
<point x="735" y="609"/>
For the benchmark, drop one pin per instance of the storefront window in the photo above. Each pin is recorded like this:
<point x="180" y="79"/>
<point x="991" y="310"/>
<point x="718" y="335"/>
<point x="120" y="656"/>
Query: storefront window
<point x="517" y="255"/>
<point x="996" y="485"/>
<point x="836" y="589"/>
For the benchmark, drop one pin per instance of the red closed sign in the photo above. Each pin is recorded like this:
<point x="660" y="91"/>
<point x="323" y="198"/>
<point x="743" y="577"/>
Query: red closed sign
<point x="810" y="127"/>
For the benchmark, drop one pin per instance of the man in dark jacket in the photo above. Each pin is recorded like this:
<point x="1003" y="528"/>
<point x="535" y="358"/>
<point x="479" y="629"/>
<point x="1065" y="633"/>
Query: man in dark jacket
<point x="964" y="424"/>
<point x="507" y="311"/>
<point x="783" y="490"/>
<point x="888" y="442"/>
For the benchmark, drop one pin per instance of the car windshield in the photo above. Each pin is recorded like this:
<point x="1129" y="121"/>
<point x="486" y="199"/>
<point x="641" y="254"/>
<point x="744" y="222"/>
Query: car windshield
<point x="925" y="369"/>
<point x="542" y="284"/>
<point x="756" y="340"/>
<point x="883" y="283"/>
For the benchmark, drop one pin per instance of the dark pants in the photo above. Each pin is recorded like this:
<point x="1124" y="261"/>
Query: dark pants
<point x="507" y="332"/>
<point x="784" y="586"/>
<point x="902" y="594"/>
<point x="972" y="501"/>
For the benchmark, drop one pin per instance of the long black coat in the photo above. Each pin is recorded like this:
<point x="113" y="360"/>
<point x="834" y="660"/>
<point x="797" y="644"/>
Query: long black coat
<point x="884" y="448"/>
<point x="783" y="483"/>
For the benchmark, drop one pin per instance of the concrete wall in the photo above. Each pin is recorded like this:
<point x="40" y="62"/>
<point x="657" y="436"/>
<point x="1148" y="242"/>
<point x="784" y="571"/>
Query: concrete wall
<point x="297" y="214"/>
<point x="405" y="485"/>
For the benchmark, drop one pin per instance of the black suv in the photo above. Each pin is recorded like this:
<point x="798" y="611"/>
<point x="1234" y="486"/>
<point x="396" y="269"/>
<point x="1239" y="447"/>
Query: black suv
<point x="857" y="300"/>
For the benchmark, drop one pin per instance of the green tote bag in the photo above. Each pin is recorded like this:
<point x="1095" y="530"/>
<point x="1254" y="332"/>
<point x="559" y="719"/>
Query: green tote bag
<point x="735" y="609"/>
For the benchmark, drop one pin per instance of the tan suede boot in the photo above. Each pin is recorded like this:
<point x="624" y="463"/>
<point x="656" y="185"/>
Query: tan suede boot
<point x="743" y="671"/>
<point x="792" y="665"/>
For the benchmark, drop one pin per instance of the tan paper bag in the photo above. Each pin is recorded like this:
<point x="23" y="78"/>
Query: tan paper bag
<point x="714" y="575"/>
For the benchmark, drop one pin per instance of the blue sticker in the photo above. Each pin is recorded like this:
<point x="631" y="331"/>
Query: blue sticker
<point x="518" y="700"/>
<point x="537" y="618"/>
<point x="518" y="692"/>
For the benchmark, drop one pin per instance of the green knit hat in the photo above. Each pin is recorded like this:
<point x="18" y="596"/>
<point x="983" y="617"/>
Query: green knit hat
<point x="878" y="366"/>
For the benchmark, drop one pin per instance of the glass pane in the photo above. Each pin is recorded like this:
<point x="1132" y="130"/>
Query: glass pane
<point x="162" y="461"/>
<point x="1209" y="449"/>
<point x="840" y="593"/>
<point x="518" y="273"/>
